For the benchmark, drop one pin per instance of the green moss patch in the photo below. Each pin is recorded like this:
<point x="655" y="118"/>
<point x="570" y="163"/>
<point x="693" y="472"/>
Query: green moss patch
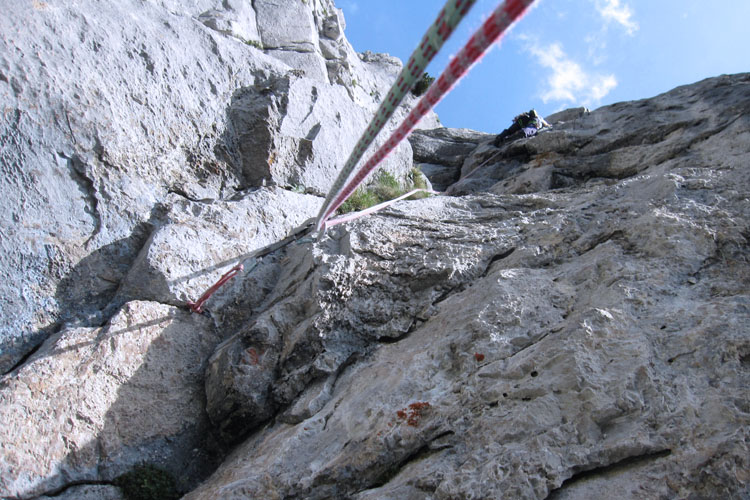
<point x="147" y="482"/>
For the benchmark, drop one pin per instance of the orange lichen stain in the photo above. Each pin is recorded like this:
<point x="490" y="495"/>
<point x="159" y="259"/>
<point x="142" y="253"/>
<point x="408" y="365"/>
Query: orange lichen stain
<point x="479" y="357"/>
<point x="254" y="356"/>
<point x="413" y="413"/>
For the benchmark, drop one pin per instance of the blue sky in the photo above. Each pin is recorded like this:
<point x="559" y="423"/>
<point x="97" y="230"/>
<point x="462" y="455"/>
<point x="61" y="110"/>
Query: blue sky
<point x="565" y="53"/>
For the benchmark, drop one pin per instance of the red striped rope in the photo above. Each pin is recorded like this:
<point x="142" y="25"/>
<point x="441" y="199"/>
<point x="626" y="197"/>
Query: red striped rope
<point x="492" y="29"/>
<point x="197" y="306"/>
<point x="450" y="15"/>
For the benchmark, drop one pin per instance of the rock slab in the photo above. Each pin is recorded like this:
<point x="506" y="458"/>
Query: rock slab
<point x="554" y="344"/>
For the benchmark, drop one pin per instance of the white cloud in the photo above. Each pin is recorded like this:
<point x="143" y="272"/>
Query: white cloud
<point x="569" y="83"/>
<point x="611" y="10"/>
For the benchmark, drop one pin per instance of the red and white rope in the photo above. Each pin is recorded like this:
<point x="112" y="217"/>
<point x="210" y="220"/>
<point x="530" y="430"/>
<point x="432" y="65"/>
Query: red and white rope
<point x="491" y="30"/>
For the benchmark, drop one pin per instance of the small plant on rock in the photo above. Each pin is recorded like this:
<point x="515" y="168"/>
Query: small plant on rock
<point x="359" y="200"/>
<point x="386" y="187"/>
<point x="418" y="181"/>
<point x="423" y="84"/>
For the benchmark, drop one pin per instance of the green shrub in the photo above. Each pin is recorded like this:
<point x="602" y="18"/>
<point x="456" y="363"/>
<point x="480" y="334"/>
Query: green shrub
<point x="147" y="482"/>
<point x="386" y="187"/>
<point x="423" y="84"/>
<point x="359" y="200"/>
<point x="254" y="43"/>
<point x="418" y="181"/>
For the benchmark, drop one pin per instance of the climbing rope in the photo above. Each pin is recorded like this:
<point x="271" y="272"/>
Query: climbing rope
<point x="432" y="41"/>
<point x="356" y="215"/>
<point x="197" y="306"/>
<point x="453" y="11"/>
<point x="491" y="30"/>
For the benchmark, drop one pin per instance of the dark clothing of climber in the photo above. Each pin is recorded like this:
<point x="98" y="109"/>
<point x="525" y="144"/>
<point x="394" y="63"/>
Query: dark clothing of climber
<point x="529" y="123"/>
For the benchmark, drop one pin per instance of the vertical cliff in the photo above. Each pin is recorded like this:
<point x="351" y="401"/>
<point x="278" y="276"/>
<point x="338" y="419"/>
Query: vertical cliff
<point x="568" y="321"/>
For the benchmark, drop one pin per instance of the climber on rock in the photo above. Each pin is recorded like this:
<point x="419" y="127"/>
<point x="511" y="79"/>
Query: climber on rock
<point x="530" y="123"/>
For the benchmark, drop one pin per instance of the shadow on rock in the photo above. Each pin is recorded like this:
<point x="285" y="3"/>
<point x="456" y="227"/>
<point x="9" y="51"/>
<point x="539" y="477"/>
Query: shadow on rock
<point x="92" y="283"/>
<point x="132" y="393"/>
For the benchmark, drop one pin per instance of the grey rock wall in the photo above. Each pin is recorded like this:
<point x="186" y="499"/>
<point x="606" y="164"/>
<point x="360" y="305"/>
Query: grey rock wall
<point x="92" y="403"/>
<point x="440" y="152"/>
<point x="575" y="342"/>
<point x="109" y="111"/>
<point x="571" y="322"/>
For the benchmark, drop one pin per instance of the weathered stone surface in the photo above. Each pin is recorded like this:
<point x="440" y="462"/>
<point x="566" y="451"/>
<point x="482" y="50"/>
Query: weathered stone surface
<point x="286" y="25"/>
<point x="566" y="341"/>
<point x="578" y="328"/>
<point x="93" y="402"/>
<point x="616" y="142"/>
<point x="440" y="176"/>
<point x="445" y="146"/>
<point x="330" y="309"/>
<point x="566" y="115"/>
<point x="87" y="492"/>
<point x="235" y="18"/>
<point x="103" y="119"/>
<point x="290" y="131"/>
<point x="440" y="152"/>
<point x="200" y="241"/>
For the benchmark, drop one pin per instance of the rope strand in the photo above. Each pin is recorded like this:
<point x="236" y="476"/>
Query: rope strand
<point x="496" y="25"/>
<point x="436" y="35"/>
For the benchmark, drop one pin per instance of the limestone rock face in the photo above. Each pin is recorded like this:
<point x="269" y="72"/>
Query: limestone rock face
<point x="87" y="492"/>
<point x="289" y="130"/>
<point x="199" y="242"/>
<point x="106" y="117"/>
<point x="615" y="142"/>
<point x="93" y="402"/>
<point x="571" y="320"/>
<point x="330" y="309"/>
<point x="235" y="17"/>
<point x="555" y="344"/>
<point x="440" y="152"/>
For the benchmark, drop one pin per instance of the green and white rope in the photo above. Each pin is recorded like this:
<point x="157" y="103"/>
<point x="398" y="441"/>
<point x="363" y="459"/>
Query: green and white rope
<point x="439" y="31"/>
